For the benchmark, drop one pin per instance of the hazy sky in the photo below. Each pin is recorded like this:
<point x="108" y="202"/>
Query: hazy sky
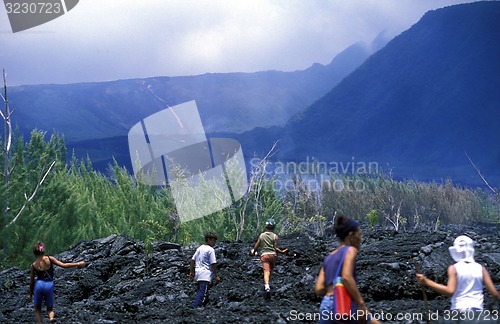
<point x="102" y="40"/>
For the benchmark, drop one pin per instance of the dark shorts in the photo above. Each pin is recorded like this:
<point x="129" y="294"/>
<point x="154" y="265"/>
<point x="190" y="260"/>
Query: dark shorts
<point x="268" y="261"/>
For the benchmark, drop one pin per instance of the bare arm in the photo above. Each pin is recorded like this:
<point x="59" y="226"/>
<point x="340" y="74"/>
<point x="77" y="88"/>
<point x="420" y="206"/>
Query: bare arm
<point x="320" y="287"/>
<point x="79" y="264"/>
<point x="351" y="286"/>
<point x="32" y="281"/>
<point x="348" y="279"/>
<point x="191" y="268"/>
<point x="214" y="271"/>
<point x="447" y="290"/>
<point x="489" y="284"/>
<point x="276" y="245"/>
<point x="257" y="244"/>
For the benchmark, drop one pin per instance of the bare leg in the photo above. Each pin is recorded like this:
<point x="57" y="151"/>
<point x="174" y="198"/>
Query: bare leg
<point x="38" y="314"/>
<point x="267" y="275"/>
<point x="50" y="311"/>
<point x="267" y="289"/>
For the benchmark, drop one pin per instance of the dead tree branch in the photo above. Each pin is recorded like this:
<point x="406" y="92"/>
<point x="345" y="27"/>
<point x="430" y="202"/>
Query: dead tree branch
<point x="256" y="183"/>
<point x="480" y="174"/>
<point x="38" y="185"/>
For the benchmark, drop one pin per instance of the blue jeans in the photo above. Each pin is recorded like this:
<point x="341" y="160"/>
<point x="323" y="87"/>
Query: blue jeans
<point x="202" y="294"/>
<point x="326" y="310"/>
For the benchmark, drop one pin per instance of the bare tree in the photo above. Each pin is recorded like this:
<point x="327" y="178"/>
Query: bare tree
<point x="33" y="194"/>
<point x="394" y="216"/>
<point x="6" y="152"/>
<point x="493" y="190"/>
<point x="7" y="169"/>
<point x="481" y="175"/>
<point x="256" y="184"/>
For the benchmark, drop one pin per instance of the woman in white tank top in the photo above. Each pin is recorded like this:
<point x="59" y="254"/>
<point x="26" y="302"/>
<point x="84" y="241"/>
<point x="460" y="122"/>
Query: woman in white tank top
<point x="465" y="278"/>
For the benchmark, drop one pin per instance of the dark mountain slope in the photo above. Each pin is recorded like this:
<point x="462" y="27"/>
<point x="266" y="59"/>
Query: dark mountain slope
<point x="418" y="104"/>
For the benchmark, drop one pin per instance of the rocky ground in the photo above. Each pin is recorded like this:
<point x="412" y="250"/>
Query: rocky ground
<point x="129" y="282"/>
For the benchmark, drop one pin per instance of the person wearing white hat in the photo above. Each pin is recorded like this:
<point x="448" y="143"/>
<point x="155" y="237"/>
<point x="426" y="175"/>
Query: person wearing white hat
<point x="465" y="278"/>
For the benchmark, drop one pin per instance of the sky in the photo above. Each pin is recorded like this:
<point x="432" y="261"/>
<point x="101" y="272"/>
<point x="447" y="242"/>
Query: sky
<point x="124" y="39"/>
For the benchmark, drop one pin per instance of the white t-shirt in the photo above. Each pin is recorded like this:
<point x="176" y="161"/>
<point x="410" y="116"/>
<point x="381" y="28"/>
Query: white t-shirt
<point x="469" y="293"/>
<point x="203" y="258"/>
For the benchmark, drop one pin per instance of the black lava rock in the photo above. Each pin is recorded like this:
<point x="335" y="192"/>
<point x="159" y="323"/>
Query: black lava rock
<point x="125" y="282"/>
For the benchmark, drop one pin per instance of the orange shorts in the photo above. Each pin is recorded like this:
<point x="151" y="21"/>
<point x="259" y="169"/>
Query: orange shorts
<point x="268" y="261"/>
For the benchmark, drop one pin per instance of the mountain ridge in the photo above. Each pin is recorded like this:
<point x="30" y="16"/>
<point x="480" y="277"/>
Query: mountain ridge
<point x="410" y="104"/>
<point x="95" y="117"/>
<point x="235" y="102"/>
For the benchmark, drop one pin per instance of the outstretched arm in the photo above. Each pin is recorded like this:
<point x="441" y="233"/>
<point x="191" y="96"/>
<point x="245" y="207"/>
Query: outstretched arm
<point x="447" y="290"/>
<point x="276" y="246"/>
<point x="79" y="264"/>
<point x="489" y="284"/>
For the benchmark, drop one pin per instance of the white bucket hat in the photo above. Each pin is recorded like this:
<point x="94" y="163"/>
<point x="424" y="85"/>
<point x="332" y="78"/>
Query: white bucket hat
<point x="462" y="249"/>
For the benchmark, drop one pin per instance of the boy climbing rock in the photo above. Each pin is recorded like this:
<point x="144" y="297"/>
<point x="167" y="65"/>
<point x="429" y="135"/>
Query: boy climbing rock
<point x="268" y="243"/>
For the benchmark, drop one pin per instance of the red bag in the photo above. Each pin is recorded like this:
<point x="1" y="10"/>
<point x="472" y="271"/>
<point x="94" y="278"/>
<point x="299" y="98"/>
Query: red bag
<point x="342" y="299"/>
<point x="343" y="302"/>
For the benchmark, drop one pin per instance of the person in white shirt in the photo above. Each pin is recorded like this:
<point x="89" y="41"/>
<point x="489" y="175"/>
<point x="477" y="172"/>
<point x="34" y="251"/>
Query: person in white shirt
<point x="465" y="278"/>
<point x="203" y="265"/>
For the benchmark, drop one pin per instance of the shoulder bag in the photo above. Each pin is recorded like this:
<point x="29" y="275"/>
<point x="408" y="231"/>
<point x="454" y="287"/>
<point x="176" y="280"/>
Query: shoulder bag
<point x="342" y="299"/>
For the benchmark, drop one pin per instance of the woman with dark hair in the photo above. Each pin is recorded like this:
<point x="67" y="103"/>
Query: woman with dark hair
<point x="43" y="287"/>
<point x="349" y="233"/>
